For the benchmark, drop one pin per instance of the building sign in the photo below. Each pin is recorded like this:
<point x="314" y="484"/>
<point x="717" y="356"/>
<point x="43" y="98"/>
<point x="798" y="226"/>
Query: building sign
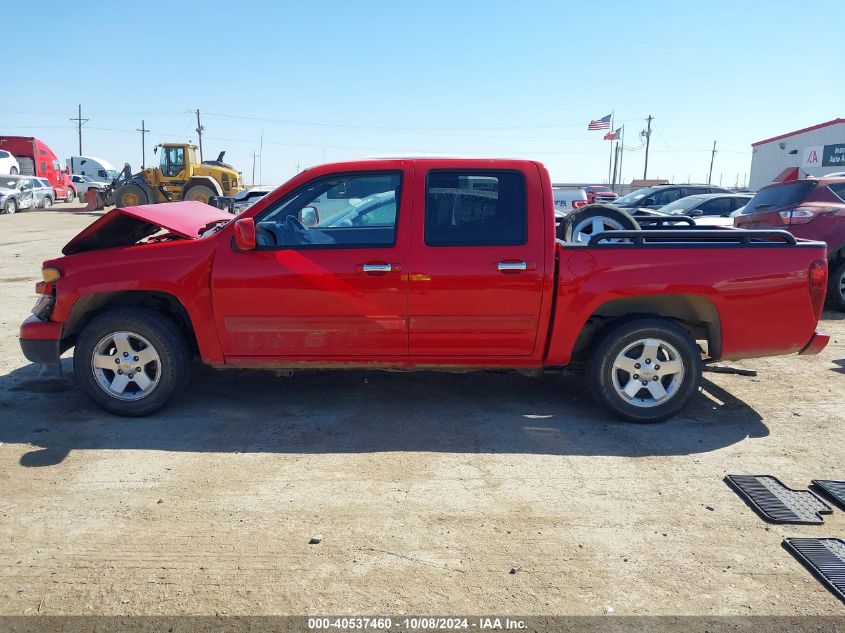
<point x="813" y="156"/>
<point x="834" y="155"/>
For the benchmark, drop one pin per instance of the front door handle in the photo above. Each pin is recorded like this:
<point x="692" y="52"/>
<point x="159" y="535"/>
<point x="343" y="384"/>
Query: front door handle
<point x="507" y="267"/>
<point x="377" y="268"/>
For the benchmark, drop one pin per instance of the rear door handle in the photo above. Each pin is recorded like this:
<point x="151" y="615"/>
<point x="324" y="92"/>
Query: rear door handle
<point x="506" y="267"/>
<point x="377" y="268"/>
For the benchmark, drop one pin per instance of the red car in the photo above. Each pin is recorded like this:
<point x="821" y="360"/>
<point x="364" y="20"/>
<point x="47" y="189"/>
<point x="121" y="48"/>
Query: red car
<point x="440" y="264"/>
<point x="600" y="193"/>
<point x="812" y="208"/>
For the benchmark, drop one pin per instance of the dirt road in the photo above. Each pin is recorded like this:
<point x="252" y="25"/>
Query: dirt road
<point x="426" y="489"/>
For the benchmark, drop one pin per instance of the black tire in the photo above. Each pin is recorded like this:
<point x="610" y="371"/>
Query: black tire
<point x="165" y="337"/>
<point x="604" y="381"/>
<point x="13" y="171"/>
<point x="10" y="206"/>
<point x="614" y="215"/>
<point x="836" y="286"/>
<point x="200" y="193"/>
<point x="130" y="196"/>
<point x="69" y="195"/>
<point x="47" y="202"/>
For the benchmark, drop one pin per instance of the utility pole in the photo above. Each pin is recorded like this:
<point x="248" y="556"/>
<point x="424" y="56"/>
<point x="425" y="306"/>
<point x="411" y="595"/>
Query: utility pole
<point x="254" y="154"/>
<point x="200" y="128"/>
<point x="143" y="131"/>
<point x="712" y="156"/>
<point x="79" y="122"/>
<point x="621" y="153"/>
<point x="647" y="143"/>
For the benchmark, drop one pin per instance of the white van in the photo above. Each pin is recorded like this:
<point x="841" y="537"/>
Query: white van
<point x="95" y="168"/>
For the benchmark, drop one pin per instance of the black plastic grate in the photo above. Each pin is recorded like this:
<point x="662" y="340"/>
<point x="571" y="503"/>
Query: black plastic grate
<point x="825" y="557"/>
<point x="776" y="503"/>
<point x="833" y="488"/>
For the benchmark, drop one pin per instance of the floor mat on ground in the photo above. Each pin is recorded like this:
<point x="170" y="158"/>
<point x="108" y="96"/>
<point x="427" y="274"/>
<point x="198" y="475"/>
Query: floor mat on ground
<point x="833" y="488"/>
<point x="776" y="503"/>
<point x="825" y="557"/>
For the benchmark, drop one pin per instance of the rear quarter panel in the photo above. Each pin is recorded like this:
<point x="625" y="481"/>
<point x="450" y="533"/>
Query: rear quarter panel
<point x="761" y="294"/>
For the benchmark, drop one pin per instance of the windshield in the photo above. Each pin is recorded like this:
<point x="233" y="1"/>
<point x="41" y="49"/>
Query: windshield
<point x="679" y="206"/>
<point x="635" y="196"/>
<point x="112" y="173"/>
<point x="9" y="183"/>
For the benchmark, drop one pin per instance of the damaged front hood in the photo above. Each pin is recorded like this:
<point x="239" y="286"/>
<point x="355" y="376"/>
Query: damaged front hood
<point x="127" y="225"/>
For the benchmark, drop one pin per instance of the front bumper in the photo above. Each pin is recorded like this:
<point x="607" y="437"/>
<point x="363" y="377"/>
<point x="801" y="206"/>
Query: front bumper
<point x="816" y="344"/>
<point x="41" y="340"/>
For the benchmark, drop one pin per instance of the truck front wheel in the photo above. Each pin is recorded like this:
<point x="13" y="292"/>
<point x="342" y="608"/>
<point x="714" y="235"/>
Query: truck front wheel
<point x="131" y="361"/>
<point x="130" y="196"/>
<point x="645" y="370"/>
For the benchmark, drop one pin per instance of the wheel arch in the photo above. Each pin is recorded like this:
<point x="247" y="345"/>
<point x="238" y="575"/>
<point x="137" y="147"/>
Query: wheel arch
<point x="88" y="307"/>
<point x="696" y="314"/>
<point x="206" y="181"/>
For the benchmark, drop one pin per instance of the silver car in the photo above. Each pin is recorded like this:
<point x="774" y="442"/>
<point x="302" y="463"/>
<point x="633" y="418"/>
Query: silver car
<point x="16" y="193"/>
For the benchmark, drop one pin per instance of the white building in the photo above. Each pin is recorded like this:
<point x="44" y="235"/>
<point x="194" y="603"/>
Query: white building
<point x="813" y="151"/>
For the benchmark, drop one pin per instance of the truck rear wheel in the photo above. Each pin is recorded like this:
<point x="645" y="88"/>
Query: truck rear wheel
<point x="130" y="361"/>
<point x="130" y="196"/>
<point x="580" y="226"/>
<point x="69" y="195"/>
<point x="200" y="193"/>
<point x="645" y="370"/>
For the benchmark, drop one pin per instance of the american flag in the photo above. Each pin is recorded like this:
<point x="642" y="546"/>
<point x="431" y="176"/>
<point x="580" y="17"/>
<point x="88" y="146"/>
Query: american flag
<point x="602" y="124"/>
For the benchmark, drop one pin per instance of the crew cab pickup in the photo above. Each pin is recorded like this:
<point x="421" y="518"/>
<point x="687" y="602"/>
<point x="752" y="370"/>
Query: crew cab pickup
<point x="431" y="264"/>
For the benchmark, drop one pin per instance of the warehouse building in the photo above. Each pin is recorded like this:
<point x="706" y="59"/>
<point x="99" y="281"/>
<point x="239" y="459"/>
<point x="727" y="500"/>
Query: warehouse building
<point x="814" y="151"/>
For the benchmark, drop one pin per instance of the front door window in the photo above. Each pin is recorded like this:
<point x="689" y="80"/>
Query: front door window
<point x="172" y="161"/>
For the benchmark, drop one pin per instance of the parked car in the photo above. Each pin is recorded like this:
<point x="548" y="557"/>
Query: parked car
<point x="600" y="193"/>
<point x="661" y="195"/>
<point x="466" y="274"/>
<point x="811" y="208"/>
<point x="241" y="201"/>
<point x="37" y="159"/>
<point x="16" y="193"/>
<point x="9" y="164"/>
<point x="708" y="209"/>
<point x="84" y="183"/>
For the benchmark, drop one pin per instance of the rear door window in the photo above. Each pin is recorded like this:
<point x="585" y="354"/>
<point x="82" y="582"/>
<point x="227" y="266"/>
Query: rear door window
<point x="665" y="196"/>
<point x="838" y="190"/>
<point x="475" y="208"/>
<point x="779" y="196"/>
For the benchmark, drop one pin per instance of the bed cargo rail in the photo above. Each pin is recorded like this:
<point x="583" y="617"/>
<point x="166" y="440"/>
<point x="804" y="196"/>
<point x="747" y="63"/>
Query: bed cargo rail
<point x="695" y="237"/>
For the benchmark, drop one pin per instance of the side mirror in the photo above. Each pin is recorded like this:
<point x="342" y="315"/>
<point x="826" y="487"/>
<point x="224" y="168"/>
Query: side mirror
<point x="245" y="234"/>
<point x="309" y="216"/>
<point x="695" y="213"/>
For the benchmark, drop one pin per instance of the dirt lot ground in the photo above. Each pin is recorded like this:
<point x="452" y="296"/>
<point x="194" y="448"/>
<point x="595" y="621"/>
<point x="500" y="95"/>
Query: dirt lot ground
<point x="425" y="488"/>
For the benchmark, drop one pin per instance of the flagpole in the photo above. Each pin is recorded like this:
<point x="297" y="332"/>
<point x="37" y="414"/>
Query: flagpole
<point x="610" y="155"/>
<point x="621" y="152"/>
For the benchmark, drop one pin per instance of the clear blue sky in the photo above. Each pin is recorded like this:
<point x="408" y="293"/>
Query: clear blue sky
<point x="338" y="80"/>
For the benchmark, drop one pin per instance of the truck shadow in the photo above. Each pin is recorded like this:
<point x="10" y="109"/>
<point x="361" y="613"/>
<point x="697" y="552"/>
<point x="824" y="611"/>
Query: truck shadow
<point x="354" y="411"/>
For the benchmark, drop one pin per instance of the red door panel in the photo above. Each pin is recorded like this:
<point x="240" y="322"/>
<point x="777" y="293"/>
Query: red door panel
<point x="476" y="301"/>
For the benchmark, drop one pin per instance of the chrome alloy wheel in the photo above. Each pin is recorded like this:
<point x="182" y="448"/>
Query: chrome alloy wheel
<point x="648" y="372"/>
<point x="586" y="228"/>
<point x="126" y="365"/>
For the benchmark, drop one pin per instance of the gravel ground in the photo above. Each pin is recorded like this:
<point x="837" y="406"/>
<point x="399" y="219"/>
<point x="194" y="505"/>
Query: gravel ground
<point x="427" y="490"/>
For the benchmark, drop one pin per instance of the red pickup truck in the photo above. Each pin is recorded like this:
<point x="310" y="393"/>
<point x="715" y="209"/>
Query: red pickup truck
<point x="438" y="264"/>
